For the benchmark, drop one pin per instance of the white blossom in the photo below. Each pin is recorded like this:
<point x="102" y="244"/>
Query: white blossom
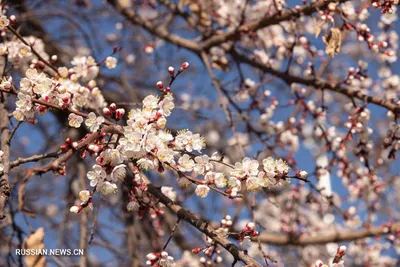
<point x="96" y="176"/>
<point x="167" y="105"/>
<point x="133" y="206"/>
<point x="248" y="167"/>
<point x="150" y="102"/>
<point x="84" y="195"/>
<point x="108" y="188"/>
<point x="185" y="163"/>
<point x="202" y="165"/>
<point x="217" y="178"/>
<point x="111" y="62"/>
<point x="202" y="190"/>
<point x="118" y="173"/>
<point x="75" y="120"/>
<point x="93" y="122"/>
<point x="4" y="21"/>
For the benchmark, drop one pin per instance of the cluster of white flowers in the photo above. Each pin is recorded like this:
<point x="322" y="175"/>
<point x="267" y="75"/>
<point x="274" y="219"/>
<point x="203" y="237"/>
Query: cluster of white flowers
<point x="145" y="133"/>
<point x="20" y="54"/>
<point x="63" y="90"/>
<point x="147" y="144"/>
<point x="160" y="260"/>
<point x="248" y="171"/>
<point x="85" y="68"/>
<point x="109" y="168"/>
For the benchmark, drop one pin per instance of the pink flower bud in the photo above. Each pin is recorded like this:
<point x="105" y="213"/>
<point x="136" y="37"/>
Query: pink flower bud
<point x="160" y="85"/>
<point x="171" y="71"/>
<point x="196" y="250"/>
<point x="113" y="107"/>
<point x="64" y="147"/>
<point x="185" y="65"/>
<point x="107" y="112"/>
<point x="250" y="225"/>
<point x="119" y="113"/>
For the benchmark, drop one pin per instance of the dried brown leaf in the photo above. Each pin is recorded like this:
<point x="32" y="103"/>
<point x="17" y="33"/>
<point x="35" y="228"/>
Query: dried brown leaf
<point x="35" y="241"/>
<point x="317" y="27"/>
<point x="333" y="41"/>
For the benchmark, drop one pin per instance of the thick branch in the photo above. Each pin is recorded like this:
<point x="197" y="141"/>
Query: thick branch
<point x="160" y="32"/>
<point x="335" y="236"/>
<point x="265" y="22"/>
<point x="5" y="147"/>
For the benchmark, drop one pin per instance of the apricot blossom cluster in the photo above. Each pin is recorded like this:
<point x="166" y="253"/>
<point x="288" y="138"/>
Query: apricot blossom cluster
<point x="147" y="144"/>
<point x="144" y="142"/>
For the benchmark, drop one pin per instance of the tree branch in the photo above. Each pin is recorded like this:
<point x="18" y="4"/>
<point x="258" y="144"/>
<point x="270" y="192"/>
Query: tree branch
<point x="55" y="164"/>
<point x="318" y="84"/>
<point x="5" y="190"/>
<point x="202" y="226"/>
<point x="265" y="22"/>
<point x="160" y="32"/>
<point x="333" y="236"/>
